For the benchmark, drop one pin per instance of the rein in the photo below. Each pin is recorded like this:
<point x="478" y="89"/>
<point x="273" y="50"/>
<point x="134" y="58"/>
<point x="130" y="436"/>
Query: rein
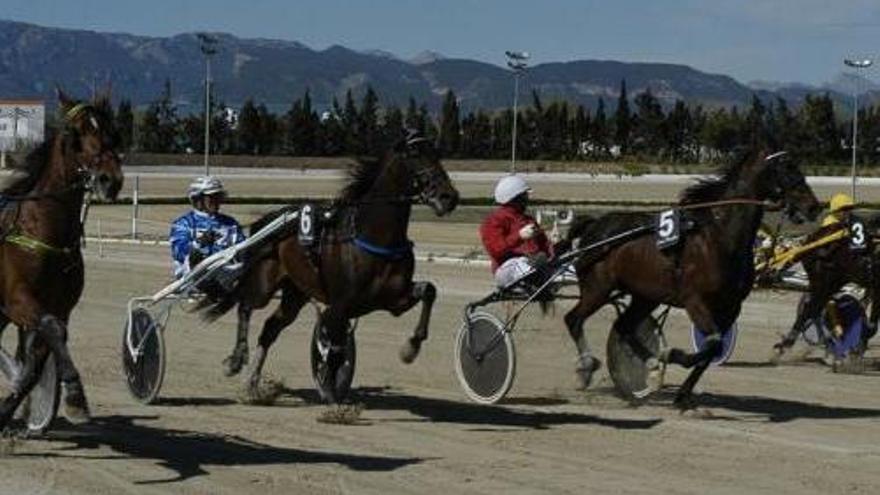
<point x="769" y="205"/>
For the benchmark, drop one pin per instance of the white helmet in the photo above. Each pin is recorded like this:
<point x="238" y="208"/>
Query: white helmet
<point x="205" y="186"/>
<point x="510" y="187"/>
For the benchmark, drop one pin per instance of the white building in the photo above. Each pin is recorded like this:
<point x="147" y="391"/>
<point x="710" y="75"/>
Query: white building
<point x="22" y="123"/>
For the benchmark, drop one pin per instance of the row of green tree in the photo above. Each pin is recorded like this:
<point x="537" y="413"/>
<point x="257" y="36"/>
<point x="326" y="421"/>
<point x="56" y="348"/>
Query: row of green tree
<point x="639" y="127"/>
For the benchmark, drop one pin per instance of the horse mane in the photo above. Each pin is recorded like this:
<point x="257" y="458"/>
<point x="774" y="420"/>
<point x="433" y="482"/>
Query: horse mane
<point x="269" y="217"/>
<point x="712" y="188"/>
<point x="361" y="178"/>
<point x="34" y="164"/>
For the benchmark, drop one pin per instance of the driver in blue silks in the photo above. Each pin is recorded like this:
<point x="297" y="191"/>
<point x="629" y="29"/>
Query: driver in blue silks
<point x="203" y="230"/>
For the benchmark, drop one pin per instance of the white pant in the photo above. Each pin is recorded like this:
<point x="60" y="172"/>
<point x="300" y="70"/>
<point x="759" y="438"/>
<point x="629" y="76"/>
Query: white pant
<point x="512" y="271"/>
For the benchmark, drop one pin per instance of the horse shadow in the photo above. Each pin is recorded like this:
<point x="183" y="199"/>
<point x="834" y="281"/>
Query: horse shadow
<point x="783" y="410"/>
<point x="189" y="453"/>
<point x="448" y="411"/>
<point x="194" y="401"/>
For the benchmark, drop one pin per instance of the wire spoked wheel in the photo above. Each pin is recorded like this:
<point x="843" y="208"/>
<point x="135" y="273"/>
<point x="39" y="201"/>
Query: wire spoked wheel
<point x="143" y="356"/>
<point x="43" y="401"/>
<point x="485" y="358"/>
<point x="628" y="369"/>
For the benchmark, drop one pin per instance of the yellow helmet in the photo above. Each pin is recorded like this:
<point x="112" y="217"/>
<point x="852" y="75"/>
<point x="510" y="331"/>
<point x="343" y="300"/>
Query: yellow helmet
<point x="829" y="220"/>
<point x="840" y="202"/>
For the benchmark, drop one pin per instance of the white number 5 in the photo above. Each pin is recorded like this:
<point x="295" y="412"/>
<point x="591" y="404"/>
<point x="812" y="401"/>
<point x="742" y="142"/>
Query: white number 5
<point x="667" y="224"/>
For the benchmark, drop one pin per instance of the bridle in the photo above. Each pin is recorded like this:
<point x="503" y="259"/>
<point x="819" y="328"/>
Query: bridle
<point x="84" y="181"/>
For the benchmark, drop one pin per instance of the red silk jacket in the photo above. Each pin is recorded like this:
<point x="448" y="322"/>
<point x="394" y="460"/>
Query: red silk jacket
<point x="500" y="235"/>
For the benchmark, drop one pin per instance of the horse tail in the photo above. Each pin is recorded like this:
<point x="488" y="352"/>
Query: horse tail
<point x="211" y="310"/>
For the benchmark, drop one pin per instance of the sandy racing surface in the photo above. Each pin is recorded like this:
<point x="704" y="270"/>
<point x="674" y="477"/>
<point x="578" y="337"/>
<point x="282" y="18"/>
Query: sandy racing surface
<point x="796" y="428"/>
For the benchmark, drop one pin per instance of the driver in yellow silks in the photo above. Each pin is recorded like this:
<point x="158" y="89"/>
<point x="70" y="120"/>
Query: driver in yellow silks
<point x="839" y="209"/>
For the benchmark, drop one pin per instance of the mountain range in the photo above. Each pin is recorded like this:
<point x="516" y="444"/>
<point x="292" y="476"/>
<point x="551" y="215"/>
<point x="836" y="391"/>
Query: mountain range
<point x="34" y="59"/>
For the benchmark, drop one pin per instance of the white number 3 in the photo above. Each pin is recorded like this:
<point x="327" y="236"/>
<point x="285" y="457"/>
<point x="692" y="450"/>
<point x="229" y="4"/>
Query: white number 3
<point x="857" y="234"/>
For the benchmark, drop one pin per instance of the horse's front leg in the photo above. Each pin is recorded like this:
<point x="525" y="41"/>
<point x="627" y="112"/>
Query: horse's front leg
<point x="54" y="332"/>
<point x="427" y="294"/>
<point x="700" y="360"/>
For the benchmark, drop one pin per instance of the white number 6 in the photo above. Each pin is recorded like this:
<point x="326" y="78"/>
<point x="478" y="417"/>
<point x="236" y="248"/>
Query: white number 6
<point x="305" y="220"/>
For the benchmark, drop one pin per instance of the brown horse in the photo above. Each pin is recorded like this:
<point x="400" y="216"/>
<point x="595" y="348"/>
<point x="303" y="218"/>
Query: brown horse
<point x="41" y="265"/>
<point x="709" y="273"/>
<point x="363" y="262"/>
<point x="851" y="259"/>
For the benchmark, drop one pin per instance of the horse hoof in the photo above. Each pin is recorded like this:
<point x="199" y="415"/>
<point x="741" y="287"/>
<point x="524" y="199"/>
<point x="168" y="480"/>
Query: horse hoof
<point x="685" y="403"/>
<point x="232" y="365"/>
<point x="777" y="354"/>
<point x="249" y="395"/>
<point x="409" y="351"/>
<point x="656" y="374"/>
<point x="697" y="413"/>
<point x="585" y="371"/>
<point x="76" y="407"/>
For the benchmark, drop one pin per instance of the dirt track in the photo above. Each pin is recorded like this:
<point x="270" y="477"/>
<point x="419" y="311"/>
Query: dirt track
<point x="795" y="428"/>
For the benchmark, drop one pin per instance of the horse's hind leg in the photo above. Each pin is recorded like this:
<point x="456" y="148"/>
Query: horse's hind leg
<point x="427" y="293"/>
<point x="34" y="354"/>
<point x="292" y="301"/>
<point x="626" y="325"/>
<point x="233" y="363"/>
<point x="255" y="291"/>
<point x="594" y="295"/>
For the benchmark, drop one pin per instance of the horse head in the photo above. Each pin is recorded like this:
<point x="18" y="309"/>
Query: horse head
<point x="91" y="140"/>
<point x="430" y="182"/>
<point x="783" y="182"/>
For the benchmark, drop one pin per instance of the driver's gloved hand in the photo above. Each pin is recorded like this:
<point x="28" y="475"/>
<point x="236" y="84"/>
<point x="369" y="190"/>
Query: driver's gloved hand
<point x="206" y="238"/>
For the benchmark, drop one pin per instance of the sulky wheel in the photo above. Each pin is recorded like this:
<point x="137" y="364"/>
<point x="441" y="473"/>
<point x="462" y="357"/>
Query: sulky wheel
<point x="333" y="369"/>
<point x="628" y="369"/>
<point x="143" y="356"/>
<point x="42" y="402"/>
<point x="485" y="358"/>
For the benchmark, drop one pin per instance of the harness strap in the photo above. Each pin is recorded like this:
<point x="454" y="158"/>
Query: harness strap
<point x="35" y="245"/>
<point x="394" y="252"/>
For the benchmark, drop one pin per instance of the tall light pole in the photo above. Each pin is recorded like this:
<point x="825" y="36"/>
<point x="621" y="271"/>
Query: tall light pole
<point x="517" y="63"/>
<point x="209" y="48"/>
<point x="856" y="64"/>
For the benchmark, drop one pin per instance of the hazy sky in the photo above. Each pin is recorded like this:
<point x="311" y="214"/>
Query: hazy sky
<point x="779" y="40"/>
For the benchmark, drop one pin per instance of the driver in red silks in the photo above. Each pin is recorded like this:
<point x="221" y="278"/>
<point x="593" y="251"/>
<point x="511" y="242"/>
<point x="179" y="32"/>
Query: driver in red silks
<point x="517" y="245"/>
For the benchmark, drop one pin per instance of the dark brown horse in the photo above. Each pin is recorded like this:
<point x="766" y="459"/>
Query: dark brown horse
<point x="709" y="273"/>
<point x="41" y="265"/>
<point x="363" y="262"/>
<point x="851" y="259"/>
